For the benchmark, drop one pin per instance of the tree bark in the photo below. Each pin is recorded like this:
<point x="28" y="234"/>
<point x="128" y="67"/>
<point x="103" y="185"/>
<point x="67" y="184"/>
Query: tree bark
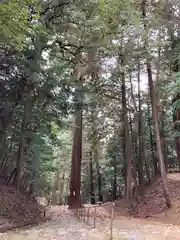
<point x="13" y="173"/>
<point x="20" y="152"/>
<point x="127" y="144"/>
<point x="19" y="161"/>
<point x="163" y="141"/>
<point x="177" y="141"/>
<point x="60" y="184"/>
<point x="152" y="146"/>
<point x="74" y="200"/>
<point x="92" y="195"/>
<point x="147" y="172"/>
<point x="134" y="140"/>
<point x="140" y="135"/>
<point x="95" y="152"/>
<point x="53" y="190"/>
<point x="157" y="135"/>
<point x="176" y="119"/>
<point x="99" y="181"/>
<point x="155" y="115"/>
<point x="5" y="119"/>
<point x="115" y="182"/>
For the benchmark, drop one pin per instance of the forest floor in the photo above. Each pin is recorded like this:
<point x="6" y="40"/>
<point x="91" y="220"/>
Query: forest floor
<point x="17" y="210"/>
<point x="154" y="204"/>
<point x="153" y="207"/>
<point x="151" y="220"/>
<point x="64" y="226"/>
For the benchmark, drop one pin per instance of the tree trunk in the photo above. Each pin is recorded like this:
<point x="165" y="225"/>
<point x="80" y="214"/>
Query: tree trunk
<point x="134" y="140"/>
<point x="163" y="141"/>
<point x="147" y="172"/>
<point x="140" y="135"/>
<point x="5" y="119"/>
<point x="92" y="195"/>
<point x="95" y="152"/>
<point x="74" y="200"/>
<point x="23" y="180"/>
<point x="154" y="159"/>
<point x="4" y="157"/>
<point x="127" y="143"/>
<point x="24" y="125"/>
<point x="3" y="163"/>
<point x="157" y="135"/>
<point x="165" y="146"/>
<point x="176" y="119"/>
<point x="53" y="190"/>
<point x="13" y="173"/>
<point x="19" y="161"/>
<point x="124" y="169"/>
<point x="32" y="184"/>
<point x="115" y="182"/>
<point x="155" y="115"/>
<point x="177" y="141"/>
<point x="99" y="181"/>
<point x="60" y="184"/>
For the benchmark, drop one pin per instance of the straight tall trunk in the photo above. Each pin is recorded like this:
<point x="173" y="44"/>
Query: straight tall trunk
<point x="152" y="145"/>
<point x="95" y="150"/>
<point x="53" y="191"/>
<point x="157" y="135"/>
<point x="140" y="136"/>
<point x="176" y="119"/>
<point x="19" y="161"/>
<point x="164" y="141"/>
<point x="124" y="169"/>
<point x="127" y="143"/>
<point x="175" y="67"/>
<point x="135" y="190"/>
<point x="115" y="181"/>
<point x="60" y="184"/>
<point x="155" y="115"/>
<point x="165" y="147"/>
<point x="177" y="142"/>
<point x="92" y="195"/>
<point x="161" y="114"/>
<point x="74" y="200"/>
<point x="5" y="120"/>
<point x="147" y="172"/>
<point x="20" y="152"/>
<point x="99" y="178"/>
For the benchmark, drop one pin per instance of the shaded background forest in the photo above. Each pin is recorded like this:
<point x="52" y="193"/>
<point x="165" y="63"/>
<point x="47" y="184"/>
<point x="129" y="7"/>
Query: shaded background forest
<point x="89" y="97"/>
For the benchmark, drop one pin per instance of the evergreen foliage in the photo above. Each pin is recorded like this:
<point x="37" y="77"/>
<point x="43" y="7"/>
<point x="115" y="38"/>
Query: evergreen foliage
<point x="114" y="62"/>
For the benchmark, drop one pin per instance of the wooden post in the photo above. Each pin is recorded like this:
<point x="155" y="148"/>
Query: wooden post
<point x="111" y="221"/>
<point x="82" y="209"/>
<point x="81" y="214"/>
<point x="94" y="217"/>
<point x="84" y="214"/>
<point x="88" y="216"/>
<point x="44" y="215"/>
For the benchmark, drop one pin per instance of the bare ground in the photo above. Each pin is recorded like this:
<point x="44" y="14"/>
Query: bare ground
<point x="64" y="226"/>
<point x="161" y="224"/>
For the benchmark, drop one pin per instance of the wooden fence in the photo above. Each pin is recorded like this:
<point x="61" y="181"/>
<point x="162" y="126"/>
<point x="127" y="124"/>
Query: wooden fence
<point x="84" y="214"/>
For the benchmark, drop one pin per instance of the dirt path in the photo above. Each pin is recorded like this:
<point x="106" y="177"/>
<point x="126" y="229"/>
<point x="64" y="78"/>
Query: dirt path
<point x="67" y="228"/>
<point x="135" y="229"/>
<point x="64" y="226"/>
